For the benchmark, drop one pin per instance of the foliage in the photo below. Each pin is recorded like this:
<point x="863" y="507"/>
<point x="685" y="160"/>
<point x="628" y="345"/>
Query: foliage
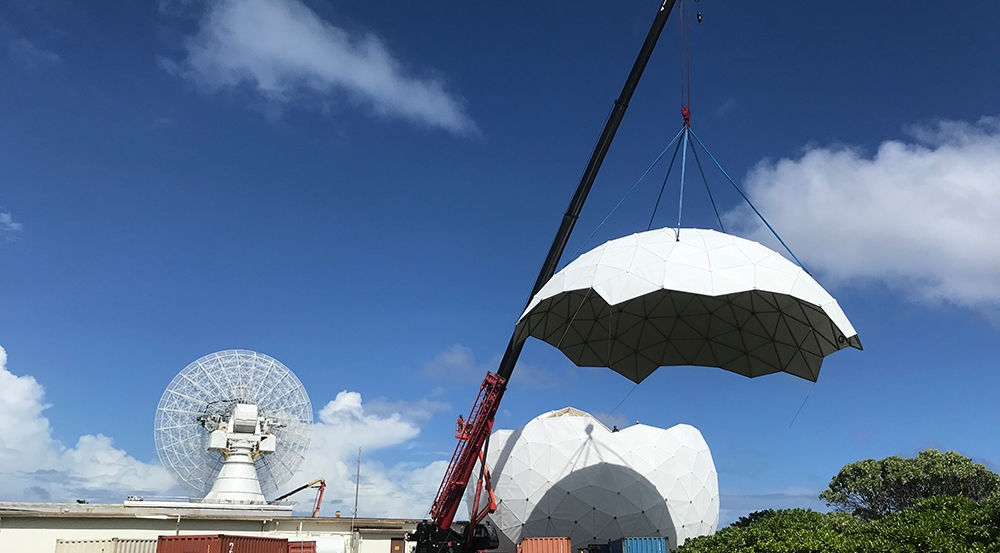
<point x="934" y="503"/>
<point x="871" y="489"/>
<point x="783" y="531"/>
<point x="935" y="525"/>
<point x="938" y="524"/>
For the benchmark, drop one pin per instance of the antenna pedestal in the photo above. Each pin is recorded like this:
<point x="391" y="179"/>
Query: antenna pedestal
<point x="237" y="481"/>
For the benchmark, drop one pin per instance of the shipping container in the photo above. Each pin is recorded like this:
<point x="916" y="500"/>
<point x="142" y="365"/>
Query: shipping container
<point x="136" y="546"/>
<point x="221" y="543"/>
<point x="113" y="545"/>
<point x="301" y="546"/>
<point x="639" y="545"/>
<point x="545" y="545"/>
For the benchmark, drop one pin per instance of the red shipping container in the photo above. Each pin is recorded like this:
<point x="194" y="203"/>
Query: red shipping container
<point x="220" y="543"/>
<point x="545" y="545"/>
<point x="301" y="547"/>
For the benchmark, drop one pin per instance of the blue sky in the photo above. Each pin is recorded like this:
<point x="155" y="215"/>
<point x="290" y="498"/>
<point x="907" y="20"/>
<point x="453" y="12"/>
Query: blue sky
<point x="365" y="191"/>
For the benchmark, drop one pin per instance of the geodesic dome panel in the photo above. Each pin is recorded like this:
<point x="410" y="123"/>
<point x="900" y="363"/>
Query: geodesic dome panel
<point x="566" y="474"/>
<point x="702" y="297"/>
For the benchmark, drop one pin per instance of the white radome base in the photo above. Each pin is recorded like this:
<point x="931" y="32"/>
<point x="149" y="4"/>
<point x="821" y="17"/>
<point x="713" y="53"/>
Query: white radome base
<point x="567" y="474"/>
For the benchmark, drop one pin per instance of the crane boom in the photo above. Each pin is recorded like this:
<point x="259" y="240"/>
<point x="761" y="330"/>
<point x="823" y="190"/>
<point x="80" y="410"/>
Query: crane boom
<point x="473" y="434"/>
<point x="569" y="219"/>
<point x="319" y="494"/>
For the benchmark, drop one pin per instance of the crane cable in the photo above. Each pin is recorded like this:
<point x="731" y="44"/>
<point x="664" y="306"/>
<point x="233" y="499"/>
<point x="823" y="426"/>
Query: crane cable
<point x="749" y="203"/>
<point x="686" y="138"/>
<point x="621" y="201"/>
<point x="685" y="57"/>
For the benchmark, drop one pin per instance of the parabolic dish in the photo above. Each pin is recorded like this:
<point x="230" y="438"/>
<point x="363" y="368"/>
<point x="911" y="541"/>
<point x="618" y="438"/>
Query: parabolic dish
<point x="711" y="299"/>
<point x="215" y="383"/>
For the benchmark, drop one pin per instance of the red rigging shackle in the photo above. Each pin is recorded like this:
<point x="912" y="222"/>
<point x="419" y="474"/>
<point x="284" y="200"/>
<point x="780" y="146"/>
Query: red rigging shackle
<point x="686" y="113"/>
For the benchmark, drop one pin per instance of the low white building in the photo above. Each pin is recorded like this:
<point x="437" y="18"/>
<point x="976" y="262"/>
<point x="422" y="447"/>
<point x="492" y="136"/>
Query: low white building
<point x="35" y="527"/>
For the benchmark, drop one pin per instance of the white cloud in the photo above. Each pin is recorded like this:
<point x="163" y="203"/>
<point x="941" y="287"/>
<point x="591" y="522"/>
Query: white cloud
<point x="418" y="412"/>
<point x="400" y="490"/>
<point x="9" y="228"/>
<point x="25" y="52"/>
<point x="725" y="108"/>
<point x="284" y="51"/>
<point x="535" y="377"/>
<point x="34" y="466"/>
<point x="920" y="215"/>
<point x="459" y="363"/>
<point x="456" y="362"/>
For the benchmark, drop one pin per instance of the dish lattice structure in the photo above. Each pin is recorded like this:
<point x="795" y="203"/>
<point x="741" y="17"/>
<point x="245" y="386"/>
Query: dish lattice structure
<point x="214" y="385"/>
<point x="566" y="474"/>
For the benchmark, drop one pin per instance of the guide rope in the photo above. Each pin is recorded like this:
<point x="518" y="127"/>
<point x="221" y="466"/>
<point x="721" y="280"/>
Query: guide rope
<point x="621" y="201"/>
<point x="662" y="187"/>
<point x="707" y="189"/>
<point x="680" y="200"/>
<point x="754" y="208"/>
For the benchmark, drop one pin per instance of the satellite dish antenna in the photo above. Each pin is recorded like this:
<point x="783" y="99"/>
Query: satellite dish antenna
<point x="233" y="426"/>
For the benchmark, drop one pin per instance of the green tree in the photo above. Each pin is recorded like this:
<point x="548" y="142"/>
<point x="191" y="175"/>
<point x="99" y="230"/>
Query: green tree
<point x="782" y="531"/>
<point x="940" y="524"/>
<point x="872" y="489"/>
<point x="935" y="525"/>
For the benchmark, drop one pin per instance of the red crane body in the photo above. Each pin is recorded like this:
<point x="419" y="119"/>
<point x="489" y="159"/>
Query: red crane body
<point x="472" y="434"/>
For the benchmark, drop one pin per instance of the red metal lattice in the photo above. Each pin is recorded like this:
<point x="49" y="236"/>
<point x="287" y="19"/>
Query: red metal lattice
<point x="472" y="434"/>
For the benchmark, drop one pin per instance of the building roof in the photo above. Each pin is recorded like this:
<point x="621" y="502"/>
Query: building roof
<point x="98" y="510"/>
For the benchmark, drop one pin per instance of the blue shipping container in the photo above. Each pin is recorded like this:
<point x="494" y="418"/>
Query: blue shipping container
<point x="639" y="545"/>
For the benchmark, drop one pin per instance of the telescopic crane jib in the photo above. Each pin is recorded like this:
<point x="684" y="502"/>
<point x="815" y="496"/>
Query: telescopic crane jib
<point x="442" y="534"/>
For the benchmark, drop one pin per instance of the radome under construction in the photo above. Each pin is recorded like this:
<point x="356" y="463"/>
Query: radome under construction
<point x="233" y="426"/>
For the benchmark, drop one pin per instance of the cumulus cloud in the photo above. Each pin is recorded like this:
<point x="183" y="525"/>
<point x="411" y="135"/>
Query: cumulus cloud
<point x="9" y="228"/>
<point x="457" y="362"/>
<point x="725" y="108"/>
<point x="398" y="490"/>
<point x="285" y="52"/>
<point x="30" y="56"/>
<point x="36" y="467"/>
<point x="921" y="215"/>
<point x="417" y="411"/>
